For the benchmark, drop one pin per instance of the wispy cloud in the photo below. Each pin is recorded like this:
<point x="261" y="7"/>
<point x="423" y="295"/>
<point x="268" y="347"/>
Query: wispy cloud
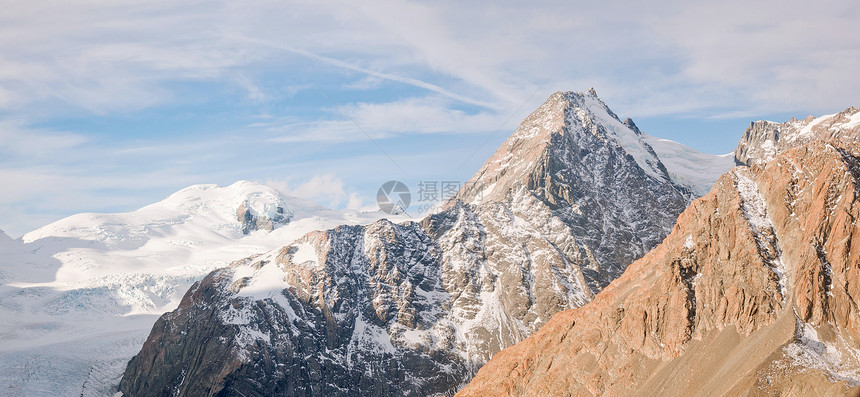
<point x="381" y="75"/>
<point x="221" y="90"/>
<point x="381" y="120"/>
<point x="104" y="56"/>
<point x="20" y="141"/>
<point x="325" y="188"/>
<point x="772" y="56"/>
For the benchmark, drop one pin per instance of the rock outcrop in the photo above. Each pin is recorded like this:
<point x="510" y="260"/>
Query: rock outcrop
<point x="253" y="219"/>
<point x="755" y="292"/>
<point x="764" y="140"/>
<point x="262" y="211"/>
<point x="562" y="208"/>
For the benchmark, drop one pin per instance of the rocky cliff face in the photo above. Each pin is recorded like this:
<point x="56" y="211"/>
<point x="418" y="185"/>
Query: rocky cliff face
<point x="381" y="310"/>
<point x="561" y="209"/>
<point x="764" y="140"/>
<point x="254" y="218"/>
<point x="754" y="292"/>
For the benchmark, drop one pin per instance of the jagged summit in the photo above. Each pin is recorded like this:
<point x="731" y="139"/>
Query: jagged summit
<point x="754" y="292"/>
<point x="594" y="172"/>
<point x="558" y="127"/>
<point x="764" y="140"/>
<point x="630" y="124"/>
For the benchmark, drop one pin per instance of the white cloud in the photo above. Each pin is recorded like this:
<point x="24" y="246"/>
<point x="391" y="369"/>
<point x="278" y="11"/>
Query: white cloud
<point x="255" y="93"/>
<point x="380" y="75"/>
<point x="770" y="56"/>
<point x="326" y="189"/>
<point x="357" y="122"/>
<point x="365" y="83"/>
<point x="356" y="202"/>
<point x="107" y="56"/>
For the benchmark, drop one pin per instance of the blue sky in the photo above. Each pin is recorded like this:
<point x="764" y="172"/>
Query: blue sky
<point x="108" y="107"/>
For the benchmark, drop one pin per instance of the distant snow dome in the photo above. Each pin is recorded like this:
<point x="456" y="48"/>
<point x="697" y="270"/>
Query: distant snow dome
<point x="255" y="206"/>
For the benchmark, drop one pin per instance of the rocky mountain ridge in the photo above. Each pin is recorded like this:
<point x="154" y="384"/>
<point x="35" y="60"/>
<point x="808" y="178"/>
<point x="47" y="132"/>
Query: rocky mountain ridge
<point x="754" y="292"/>
<point x="567" y="202"/>
<point x="764" y="140"/>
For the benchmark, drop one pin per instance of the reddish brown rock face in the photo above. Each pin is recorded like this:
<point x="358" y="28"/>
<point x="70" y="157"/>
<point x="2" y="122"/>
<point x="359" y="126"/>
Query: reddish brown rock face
<point x="756" y="290"/>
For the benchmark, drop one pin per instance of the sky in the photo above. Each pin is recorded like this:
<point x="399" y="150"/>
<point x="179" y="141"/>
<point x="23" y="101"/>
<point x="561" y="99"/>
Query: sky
<point x="107" y="107"/>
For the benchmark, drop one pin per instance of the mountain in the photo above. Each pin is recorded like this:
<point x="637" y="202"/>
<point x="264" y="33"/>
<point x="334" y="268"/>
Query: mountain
<point x="755" y="292"/>
<point x="594" y="173"/>
<point x="763" y="140"/>
<point x="560" y="210"/>
<point x="78" y="296"/>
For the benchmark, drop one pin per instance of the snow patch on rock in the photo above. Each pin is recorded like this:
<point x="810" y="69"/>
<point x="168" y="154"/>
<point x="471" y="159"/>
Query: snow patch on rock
<point x="634" y="143"/>
<point x="838" y="360"/>
<point x="755" y="211"/>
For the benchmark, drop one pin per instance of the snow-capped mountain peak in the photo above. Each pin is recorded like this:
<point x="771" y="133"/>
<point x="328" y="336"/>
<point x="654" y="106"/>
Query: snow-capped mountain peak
<point x="255" y="206"/>
<point x="260" y="199"/>
<point x="561" y="125"/>
<point x="689" y="167"/>
<point x="231" y="211"/>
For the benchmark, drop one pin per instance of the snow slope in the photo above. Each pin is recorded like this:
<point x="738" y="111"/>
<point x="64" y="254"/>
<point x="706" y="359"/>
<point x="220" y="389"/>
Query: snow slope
<point x="690" y="167"/>
<point x="79" y="296"/>
<point x="630" y="138"/>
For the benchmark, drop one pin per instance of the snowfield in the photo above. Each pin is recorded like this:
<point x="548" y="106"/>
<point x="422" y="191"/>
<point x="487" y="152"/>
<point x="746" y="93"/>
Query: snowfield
<point x="690" y="167"/>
